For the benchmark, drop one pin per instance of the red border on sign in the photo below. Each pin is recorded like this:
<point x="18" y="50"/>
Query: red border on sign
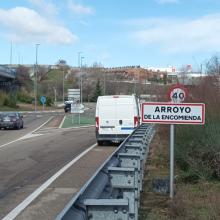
<point x="177" y="86"/>
<point x="170" y="104"/>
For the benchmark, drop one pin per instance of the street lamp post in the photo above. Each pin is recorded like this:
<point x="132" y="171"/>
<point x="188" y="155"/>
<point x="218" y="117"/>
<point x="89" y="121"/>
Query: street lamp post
<point x="79" y="66"/>
<point x="81" y="79"/>
<point x="79" y="57"/>
<point x="35" y="106"/>
<point x="63" y="86"/>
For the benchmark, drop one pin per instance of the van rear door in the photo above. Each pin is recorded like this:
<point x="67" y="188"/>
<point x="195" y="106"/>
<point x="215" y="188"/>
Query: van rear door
<point x="107" y="116"/>
<point x="125" y="112"/>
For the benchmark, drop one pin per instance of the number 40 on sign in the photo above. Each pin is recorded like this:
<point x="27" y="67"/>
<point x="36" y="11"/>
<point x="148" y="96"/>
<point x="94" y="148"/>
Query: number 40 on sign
<point x="177" y="93"/>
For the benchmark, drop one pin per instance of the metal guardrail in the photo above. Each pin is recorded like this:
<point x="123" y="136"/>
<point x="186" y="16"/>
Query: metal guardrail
<point x="113" y="192"/>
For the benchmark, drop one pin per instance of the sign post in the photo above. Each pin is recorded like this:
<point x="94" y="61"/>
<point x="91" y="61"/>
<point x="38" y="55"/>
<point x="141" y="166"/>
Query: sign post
<point x="171" y="160"/>
<point x="43" y="101"/>
<point x="74" y="95"/>
<point x="77" y="108"/>
<point x="172" y="113"/>
<point x="177" y="94"/>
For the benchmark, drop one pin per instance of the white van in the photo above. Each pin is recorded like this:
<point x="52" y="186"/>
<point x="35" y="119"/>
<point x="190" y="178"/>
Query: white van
<point x="116" y="117"/>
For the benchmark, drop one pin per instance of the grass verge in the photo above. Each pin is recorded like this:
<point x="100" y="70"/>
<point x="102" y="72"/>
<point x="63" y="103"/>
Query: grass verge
<point x="74" y="121"/>
<point x="193" y="201"/>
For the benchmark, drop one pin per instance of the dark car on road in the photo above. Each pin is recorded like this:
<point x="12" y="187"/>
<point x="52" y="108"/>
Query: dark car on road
<point x="67" y="106"/>
<point x="11" y="120"/>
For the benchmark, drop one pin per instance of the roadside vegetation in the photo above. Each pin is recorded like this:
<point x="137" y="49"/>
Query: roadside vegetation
<point x="197" y="158"/>
<point x="53" y="83"/>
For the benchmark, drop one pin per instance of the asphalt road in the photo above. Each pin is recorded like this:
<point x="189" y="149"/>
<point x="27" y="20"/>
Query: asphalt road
<point x="31" y="122"/>
<point x="28" y="163"/>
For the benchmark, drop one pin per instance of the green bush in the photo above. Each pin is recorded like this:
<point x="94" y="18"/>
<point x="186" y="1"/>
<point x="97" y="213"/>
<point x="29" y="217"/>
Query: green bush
<point x="6" y="101"/>
<point x="49" y="101"/>
<point x="24" y="97"/>
<point x="3" y="97"/>
<point x="197" y="150"/>
<point x="12" y="102"/>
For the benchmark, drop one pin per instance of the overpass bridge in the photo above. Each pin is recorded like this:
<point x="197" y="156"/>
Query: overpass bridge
<point x="7" y="77"/>
<point x="7" y="73"/>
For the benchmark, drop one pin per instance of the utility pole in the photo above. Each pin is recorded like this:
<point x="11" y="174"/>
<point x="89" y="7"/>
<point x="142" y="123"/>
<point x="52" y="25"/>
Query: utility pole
<point x="63" y="86"/>
<point x="104" y="81"/>
<point x="55" y="95"/>
<point x="79" y="66"/>
<point x="11" y="55"/>
<point x="36" y="69"/>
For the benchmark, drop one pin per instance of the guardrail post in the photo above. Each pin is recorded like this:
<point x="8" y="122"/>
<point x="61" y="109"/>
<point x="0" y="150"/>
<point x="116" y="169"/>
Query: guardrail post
<point x="132" y="161"/>
<point x="107" y="209"/>
<point x="126" y="179"/>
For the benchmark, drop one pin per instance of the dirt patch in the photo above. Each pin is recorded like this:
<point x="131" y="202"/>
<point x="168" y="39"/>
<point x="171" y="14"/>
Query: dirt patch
<point x="155" y="205"/>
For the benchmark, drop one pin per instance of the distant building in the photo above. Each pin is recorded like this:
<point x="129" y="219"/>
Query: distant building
<point x="169" y="69"/>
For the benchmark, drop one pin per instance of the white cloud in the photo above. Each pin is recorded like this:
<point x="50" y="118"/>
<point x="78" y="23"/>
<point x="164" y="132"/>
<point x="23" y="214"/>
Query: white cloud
<point x="167" y="1"/>
<point x="79" y="9"/>
<point x="172" y="35"/>
<point x="46" y="7"/>
<point x="26" y="25"/>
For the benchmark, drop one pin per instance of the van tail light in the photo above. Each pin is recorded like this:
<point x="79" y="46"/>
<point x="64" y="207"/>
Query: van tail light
<point x="97" y="123"/>
<point x="136" y="121"/>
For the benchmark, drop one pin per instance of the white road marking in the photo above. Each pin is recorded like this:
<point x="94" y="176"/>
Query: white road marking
<point x="17" y="210"/>
<point x="29" y="136"/>
<point x="41" y="125"/>
<point x="61" y="124"/>
<point x="78" y="128"/>
<point x="11" y="142"/>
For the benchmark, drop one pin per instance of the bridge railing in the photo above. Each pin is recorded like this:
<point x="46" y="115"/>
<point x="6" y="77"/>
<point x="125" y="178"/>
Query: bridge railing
<point x="7" y="72"/>
<point x="113" y="192"/>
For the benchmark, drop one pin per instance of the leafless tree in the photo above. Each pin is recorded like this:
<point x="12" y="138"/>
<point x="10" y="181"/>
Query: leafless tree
<point x="41" y="73"/>
<point x="23" y="74"/>
<point x="213" y="66"/>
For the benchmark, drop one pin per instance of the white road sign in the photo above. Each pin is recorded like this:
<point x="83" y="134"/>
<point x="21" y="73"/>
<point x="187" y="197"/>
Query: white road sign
<point x="74" y="94"/>
<point x="77" y="108"/>
<point x="172" y="113"/>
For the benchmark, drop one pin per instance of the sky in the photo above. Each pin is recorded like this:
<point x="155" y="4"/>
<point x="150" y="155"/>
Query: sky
<point x="149" y="33"/>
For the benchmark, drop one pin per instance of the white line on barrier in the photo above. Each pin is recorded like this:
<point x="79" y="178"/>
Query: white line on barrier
<point x="17" y="210"/>
<point x="28" y="134"/>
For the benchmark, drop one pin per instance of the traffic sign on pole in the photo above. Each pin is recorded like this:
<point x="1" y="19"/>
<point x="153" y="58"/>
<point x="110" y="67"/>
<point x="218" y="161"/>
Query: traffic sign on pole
<point x="177" y="93"/>
<point x="174" y="112"/>
<point x="74" y="95"/>
<point x="43" y="99"/>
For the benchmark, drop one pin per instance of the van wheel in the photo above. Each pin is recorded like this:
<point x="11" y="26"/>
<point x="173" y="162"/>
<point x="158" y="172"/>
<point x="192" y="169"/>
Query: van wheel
<point x="100" y="143"/>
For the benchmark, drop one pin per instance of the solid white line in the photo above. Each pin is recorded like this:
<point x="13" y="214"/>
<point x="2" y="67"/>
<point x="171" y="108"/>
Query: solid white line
<point x="11" y="142"/>
<point x="78" y="128"/>
<point x="41" y="125"/>
<point x="17" y="210"/>
<point x="61" y="124"/>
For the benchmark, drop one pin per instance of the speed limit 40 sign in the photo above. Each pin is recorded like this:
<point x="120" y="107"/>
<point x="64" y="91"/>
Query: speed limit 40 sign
<point x="177" y="93"/>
